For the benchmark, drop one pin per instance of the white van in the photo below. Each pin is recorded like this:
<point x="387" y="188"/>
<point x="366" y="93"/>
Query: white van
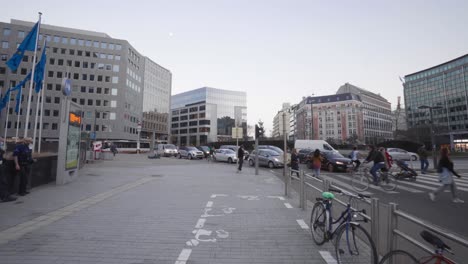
<point x="321" y="145"/>
<point x="166" y="150"/>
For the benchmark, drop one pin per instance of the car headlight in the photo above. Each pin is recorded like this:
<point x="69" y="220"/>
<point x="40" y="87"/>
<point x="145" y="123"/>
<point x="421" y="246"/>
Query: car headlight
<point x="276" y="159"/>
<point x="339" y="163"/>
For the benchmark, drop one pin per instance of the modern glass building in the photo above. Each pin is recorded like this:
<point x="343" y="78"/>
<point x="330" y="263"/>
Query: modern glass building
<point x="207" y="115"/>
<point x="443" y="87"/>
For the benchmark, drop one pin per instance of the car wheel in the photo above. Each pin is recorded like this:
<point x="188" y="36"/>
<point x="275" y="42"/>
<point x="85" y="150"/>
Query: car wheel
<point x="190" y="156"/>
<point x="251" y="163"/>
<point x="271" y="165"/>
<point x="229" y="160"/>
<point x="331" y="168"/>
<point x="414" y="158"/>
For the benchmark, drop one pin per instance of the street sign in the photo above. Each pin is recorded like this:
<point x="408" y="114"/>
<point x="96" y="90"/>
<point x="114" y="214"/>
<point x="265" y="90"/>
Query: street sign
<point x="237" y="132"/>
<point x="92" y="135"/>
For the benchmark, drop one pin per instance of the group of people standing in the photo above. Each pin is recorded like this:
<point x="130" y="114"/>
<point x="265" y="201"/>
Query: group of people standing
<point x="383" y="161"/>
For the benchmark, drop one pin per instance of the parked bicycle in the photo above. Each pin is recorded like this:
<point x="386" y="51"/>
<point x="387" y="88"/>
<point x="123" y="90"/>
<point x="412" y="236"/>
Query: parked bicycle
<point x="353" y="243"/>
<point x="362" y="178"/>
<point x="403" y="257"/>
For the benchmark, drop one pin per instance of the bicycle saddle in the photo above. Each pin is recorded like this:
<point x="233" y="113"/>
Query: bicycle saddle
<point x="434" y="240"/>
<point x="328" y="195"/>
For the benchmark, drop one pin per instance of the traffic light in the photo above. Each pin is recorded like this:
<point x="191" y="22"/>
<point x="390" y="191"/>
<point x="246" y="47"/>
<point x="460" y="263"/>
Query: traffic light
<point x="257" y="131"/>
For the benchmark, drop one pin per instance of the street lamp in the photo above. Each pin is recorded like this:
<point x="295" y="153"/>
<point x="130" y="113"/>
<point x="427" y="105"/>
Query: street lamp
<point x="432" y="131"/>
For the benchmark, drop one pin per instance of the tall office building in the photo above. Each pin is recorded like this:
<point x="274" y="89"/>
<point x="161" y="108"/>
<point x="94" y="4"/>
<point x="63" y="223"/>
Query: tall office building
<point x="157" y="82"/>
<point x="443" y="87"/>
<point x="207" y="115"/>
<point x="106" y="76"/>
<point x="335" y="117"/>
<point x="377" y="114"/>
<point x="279" y="125"/>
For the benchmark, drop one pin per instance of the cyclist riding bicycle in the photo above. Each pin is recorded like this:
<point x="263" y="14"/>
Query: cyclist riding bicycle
<point x="379" y="162"/>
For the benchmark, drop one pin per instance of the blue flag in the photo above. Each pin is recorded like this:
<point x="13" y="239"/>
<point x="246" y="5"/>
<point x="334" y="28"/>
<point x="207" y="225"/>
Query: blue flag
<point x="40" y="70"/>
<point x="29" y="43"/>
<point x="5" y="99"/>
<point x="18" y="95"/>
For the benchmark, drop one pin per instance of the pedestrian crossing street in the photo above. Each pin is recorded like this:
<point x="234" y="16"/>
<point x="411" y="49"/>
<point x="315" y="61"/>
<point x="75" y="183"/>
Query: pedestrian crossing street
<point x="424" y="183"/>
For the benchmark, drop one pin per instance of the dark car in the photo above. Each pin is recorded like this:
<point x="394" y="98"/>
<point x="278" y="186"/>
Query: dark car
<point x="205" y="150"/>
<point x="303" y="154"/>
<point x="332" y="161"/>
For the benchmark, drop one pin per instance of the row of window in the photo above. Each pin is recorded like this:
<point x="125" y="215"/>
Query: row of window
<point x="191" y="130"/>
<point x="85" y="53"/>
<point x="92" y="102"/>
<point x="54" y="126"/>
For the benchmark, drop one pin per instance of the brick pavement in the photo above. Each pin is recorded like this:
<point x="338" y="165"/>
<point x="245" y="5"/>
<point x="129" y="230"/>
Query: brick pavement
<point x="138" y="211"/>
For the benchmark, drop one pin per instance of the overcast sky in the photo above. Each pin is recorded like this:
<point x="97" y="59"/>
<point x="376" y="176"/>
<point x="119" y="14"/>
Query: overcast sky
<point x="276" y="51"/>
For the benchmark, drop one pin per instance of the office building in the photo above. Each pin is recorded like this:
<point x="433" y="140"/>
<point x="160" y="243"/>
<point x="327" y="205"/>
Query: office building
<point x="157" y="83"/>
<point x="336" y="118"/>
<point x="207" y="115"/>
<point x="107" y="77"/>
<point x="279" y="125"/>
<point x="444" y="88"/>
<point x="377" y="114"/>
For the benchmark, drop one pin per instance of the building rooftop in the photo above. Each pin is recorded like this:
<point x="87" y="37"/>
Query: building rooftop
<point x="442" y="64"/>
<point x="63" y="29"/>
<point x="331" y="98"/>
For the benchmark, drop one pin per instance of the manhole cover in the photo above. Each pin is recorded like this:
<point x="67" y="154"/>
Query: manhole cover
<point x="156" y="175"/>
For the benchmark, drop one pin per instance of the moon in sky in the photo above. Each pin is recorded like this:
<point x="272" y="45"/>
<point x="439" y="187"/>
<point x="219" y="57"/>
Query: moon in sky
<point x="171" y="34"/>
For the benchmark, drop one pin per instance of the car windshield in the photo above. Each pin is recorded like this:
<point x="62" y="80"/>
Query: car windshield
<point x="276" y="149"/>
<point x="192" y="148"/>
<point x="229" y="151"/>
<point x="169" y="146"/>
<point x="270" y="152"/>
<point x="333" y="155"/>
<point x="205" y="148"/>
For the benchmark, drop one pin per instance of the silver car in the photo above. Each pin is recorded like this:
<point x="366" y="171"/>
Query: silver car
<point x="190" y="153"/>
<point x="267" y="157"/>
<point x="401" y="154"/>
<point x="225" y="155"/>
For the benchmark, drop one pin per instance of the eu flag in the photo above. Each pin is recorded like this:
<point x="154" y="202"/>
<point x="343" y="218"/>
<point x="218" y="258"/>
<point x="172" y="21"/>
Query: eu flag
<point x="5" y="99"/>
<point x="29" y="43"/>
<point x="20" y="88"/>
<point x="40" y="70"/>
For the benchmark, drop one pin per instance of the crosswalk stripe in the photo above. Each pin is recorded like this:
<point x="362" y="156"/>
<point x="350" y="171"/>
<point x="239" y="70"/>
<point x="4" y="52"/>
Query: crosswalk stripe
<point x="438" y="184"/>
<point x="462" y="182"/>
<point x="351" y="187"/>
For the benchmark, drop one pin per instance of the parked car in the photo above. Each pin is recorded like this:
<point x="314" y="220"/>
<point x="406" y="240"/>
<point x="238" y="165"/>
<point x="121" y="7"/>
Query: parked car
<point x="205" y="150"/>
<point x="275" y="148"/>
<point x="190" y="153"/>
<point x="332" y="161"/>
<point x="267" y="157"/>
<point x="225" y="155"/>
<point x="235" y="148"/>
<point x="166" y="150"/>
<point x="401" y="154"/>
<point x="303" y="155"/>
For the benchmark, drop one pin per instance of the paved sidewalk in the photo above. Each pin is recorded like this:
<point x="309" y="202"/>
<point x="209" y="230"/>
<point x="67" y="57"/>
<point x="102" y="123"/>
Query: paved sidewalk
<point x="138" y="211"/>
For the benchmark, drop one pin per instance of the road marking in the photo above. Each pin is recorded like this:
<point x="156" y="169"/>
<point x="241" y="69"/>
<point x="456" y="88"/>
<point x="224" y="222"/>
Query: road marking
<point x="277" y="197"/>
<point x="183" y="256"/>
<point x="328" y="257"/>
<point x="209" y="204"/>
<point x="303" y="224"/>
<point x="288" y="205"/>
<point x="436" y="180"/>
<point x="436" y="183"/>
<point x="349" y="186"/>
<point x="200" y="223"/>
<point x="218" y="195"/>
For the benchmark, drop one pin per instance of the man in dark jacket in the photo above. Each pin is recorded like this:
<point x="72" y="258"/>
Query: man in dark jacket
<point x="423" y="158"/>
<point x="4" y="192"/>
<point x="240" y="157"/>
<point x="23" y="160"/>
<point x="379" y="162"/>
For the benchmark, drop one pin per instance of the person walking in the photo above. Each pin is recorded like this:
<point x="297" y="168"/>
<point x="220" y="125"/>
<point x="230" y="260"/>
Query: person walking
<point x="294" y="162"/>
<point x="23" y="160"/>
<point x="113" y="149"/>
<point x="446" y="172"/>
<point x="355" y="158"/>
<point x="379" y="162"/>
<point x="4" y="189"/>
<point x="423" y="159"/>
<point x="316" y="163"/>
<point x="240" y="157"/>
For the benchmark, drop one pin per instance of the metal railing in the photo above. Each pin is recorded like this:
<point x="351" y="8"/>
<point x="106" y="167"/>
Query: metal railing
<point x="393" y="215"/>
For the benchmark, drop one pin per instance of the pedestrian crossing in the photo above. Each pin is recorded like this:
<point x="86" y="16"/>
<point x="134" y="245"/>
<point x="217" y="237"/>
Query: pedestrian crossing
<point x="423" y="184"/>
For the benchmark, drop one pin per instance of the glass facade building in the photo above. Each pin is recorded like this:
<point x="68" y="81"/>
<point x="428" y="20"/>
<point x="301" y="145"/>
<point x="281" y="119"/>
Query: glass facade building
<point x="445" y="87"/>
<point x="207" y="115"/>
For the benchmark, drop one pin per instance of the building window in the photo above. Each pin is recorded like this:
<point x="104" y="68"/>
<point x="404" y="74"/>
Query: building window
<point x="90" y="102"/>
<point x="106" y="90"/>
<point x="4" y="57"/>
<point x="99" y="90"/>
<point x="117" y="57"/>
<point x="57" y="100"/>
<point x="114" y="91"/>
<point x="113" y="103"/>
<point x="56" y="113"/>
<point x="5" y="45"/>
<point x="20" y="34"/>
<point x="82" y="101"/>
<point x="64" y="40"/>
<point x="6" y="32"/>
<point x="118" y="47"/>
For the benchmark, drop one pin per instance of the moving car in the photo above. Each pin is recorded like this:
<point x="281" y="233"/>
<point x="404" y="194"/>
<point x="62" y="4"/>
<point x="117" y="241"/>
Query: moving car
<point x="235" y="148"/>
<point x="267" y="157"/>
<point x="225" y="155"/>
<point x="190" y="153"/>
<point x="205" y="150"/>
<point x="401" y="154"/>
<point x="332" y="161"/>
<point x="166" y="150"/>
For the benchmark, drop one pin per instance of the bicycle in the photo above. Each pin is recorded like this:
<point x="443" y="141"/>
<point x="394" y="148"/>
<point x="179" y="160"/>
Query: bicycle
<point x="353" y="243"/>
<point x="362" y="178"/>
<point x="403" y="257"/>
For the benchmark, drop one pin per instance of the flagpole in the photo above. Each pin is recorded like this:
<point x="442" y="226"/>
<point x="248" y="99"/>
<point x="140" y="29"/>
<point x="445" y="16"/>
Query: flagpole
<point x="6" y="121"/>
<point x="42" y="114"/>
<point x="19" y="113"/>
<point x="37" y="105"/>
<point x="32" y="78"/>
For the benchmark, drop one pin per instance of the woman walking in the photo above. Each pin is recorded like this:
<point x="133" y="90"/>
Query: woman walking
<point x="294" y="163"/>
<point x="316" y="163"/>
<point x="446" y="172"/>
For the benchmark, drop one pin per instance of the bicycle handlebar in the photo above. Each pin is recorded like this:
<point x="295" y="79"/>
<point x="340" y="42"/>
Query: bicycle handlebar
<point x="359" y="195"/>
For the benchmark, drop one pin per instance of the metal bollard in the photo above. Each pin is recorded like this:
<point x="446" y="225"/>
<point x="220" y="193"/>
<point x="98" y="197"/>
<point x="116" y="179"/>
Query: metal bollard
<point x="302" y="191"/>
<point x="392" y="225"/>
<point x="375" y="219"/>
<point x="326" y="185"/>
<point x="287" y="180"/>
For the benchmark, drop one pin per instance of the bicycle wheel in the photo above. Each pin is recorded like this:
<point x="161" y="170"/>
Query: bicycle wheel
<point x="388" y="182"/>
<point x="397" y="257"/>
<point x="360" y="181"/>
<point x="354" y="245"/>
<point x="318" y="223"/>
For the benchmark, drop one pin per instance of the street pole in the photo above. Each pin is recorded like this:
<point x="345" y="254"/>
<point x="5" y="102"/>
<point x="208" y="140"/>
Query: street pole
<point x="256" y="156"/>
<point x="94" y="126"/>
<point x="285" y="157"/>
<point x="311" y="121"/>
<point x="434" y="152"/>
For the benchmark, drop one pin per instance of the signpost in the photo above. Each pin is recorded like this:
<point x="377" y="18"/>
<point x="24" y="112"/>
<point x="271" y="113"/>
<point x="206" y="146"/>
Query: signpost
<point x="138" y="140"/>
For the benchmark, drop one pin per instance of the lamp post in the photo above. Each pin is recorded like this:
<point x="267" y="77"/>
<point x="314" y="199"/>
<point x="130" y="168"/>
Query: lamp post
<point x="434" y="153"/>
